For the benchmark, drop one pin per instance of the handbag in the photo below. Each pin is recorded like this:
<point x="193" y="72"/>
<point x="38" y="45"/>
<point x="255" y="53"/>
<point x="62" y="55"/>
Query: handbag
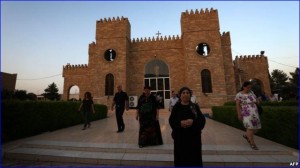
<point x="260" y="109"/>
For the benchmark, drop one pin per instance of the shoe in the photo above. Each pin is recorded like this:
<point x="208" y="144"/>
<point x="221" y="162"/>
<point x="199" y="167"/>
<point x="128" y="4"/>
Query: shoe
<point x="119" y="131"/>
<point x="123" y="128"/>
<point x="247" y="139"/>
<point x="254" y="147"/>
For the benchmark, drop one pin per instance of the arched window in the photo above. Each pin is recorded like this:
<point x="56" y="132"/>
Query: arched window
<point x="206" y="81"/>
<point x="156" y="68"/>
<point x="109" y="85"/>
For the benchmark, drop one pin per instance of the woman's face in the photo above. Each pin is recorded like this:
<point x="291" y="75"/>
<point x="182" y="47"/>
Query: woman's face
<point x="185" y="96"/>
<point x="248" y="88"/>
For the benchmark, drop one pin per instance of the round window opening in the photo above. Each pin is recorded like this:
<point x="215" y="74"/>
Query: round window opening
<point x="203" y="49"/>
<point x="110" y="55"/>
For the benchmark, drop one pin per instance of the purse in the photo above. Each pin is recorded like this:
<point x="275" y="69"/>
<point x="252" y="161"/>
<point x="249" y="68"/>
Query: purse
<point x="260" y="109"/>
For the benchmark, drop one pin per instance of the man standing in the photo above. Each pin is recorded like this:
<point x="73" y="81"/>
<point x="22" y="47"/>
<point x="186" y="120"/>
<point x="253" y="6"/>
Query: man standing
<point x="121" y="102"/>
<point x="194" y="99"/>
<point x="173" y="100"/>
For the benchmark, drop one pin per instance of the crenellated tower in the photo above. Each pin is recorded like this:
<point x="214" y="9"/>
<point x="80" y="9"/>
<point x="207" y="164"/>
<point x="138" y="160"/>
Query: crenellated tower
<point x="109" y="54"/>
<point x="203" y="52"/>
<point x="70" y="79"/>
<point x="228" y="65"/>
<point x="199" y="20"/>
<point x="252" y="67"/>
<point x="107" y="57"/>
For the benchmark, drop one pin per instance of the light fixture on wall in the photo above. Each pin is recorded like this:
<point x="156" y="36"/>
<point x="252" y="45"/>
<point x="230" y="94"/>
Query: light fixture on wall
<point x="205" y="94"/>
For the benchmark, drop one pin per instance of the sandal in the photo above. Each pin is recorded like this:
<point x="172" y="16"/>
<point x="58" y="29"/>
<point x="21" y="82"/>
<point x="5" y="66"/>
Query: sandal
<point x="245" y="136"/>
<point x="254" y="147"/>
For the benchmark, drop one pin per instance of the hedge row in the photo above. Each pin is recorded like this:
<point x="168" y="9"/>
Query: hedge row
<point x="27" y="118"/>
<point x="279" y="124"/>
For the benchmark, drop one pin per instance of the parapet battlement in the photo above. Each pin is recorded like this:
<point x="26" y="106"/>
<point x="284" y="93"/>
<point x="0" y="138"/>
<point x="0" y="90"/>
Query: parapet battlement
<point x="202" y="12"/>
<point x="243" y="57"/>
<point x="161" y="38"/>
<point x="68" y="66"/>
<point x="224" y="34"/>
<point x="112" y="20"/>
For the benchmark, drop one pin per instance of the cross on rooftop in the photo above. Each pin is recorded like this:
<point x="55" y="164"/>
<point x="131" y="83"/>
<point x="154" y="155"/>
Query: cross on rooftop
<point x="158" y="33"/>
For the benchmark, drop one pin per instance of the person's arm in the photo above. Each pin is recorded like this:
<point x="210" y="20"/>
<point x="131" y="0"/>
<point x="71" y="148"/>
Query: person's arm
<point x="137" y="114"/>
<point x="258" y="100"/>
<point x="93" y="109"/>
<point x="200" y="121"/>
<point x="113" y="103"/>
<point x="127" y="105"/>
<point x="126" y="102"/>
<point x="138" y="108"/>
<point x="238" y="109"/>
<point x="174" y="120"/>
<point x="79" y="109"/>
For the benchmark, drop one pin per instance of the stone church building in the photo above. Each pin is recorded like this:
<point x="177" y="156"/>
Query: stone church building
<point x="199" y="58"/>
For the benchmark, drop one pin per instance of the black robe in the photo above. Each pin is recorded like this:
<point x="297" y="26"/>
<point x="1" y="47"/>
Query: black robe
<point x="187" y="141"/>
<point x="149" y="133"/>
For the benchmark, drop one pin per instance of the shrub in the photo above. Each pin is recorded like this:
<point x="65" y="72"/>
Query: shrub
<point x="279" y="124"/>
<point x="27" y="118"/>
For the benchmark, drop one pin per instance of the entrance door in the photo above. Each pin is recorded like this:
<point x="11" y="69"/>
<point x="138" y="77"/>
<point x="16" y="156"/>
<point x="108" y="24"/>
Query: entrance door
<point x="157" y="77"/>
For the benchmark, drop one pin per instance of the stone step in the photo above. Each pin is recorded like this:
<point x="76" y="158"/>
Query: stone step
<point x="57" y="157"/>
<point x="70" y="153"/>
<point x="160" y="149"/>
<point x="89" y="158"/>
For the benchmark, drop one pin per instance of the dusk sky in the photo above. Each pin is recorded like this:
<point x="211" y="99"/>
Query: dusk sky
<point x="38" y="38"/>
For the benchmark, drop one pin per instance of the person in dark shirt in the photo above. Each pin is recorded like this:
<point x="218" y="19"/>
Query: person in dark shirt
<point x="87" y="107"/>
<point x="121" y="102"/>
<point x="187" y="122"/>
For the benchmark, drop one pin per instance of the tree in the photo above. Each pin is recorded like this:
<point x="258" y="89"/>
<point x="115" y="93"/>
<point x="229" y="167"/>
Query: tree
<point x="6" y="94"/>
<point x="294" y="84"/>
<point x="295" y="76"/>
<point x="31" y="96"/>
<point x="279" y="79"/>
<point x="20" y="94"/>
<point x="51" y="92"/>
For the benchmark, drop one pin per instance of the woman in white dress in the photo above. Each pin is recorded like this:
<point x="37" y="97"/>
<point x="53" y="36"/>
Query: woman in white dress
<point x="247" y="112"/>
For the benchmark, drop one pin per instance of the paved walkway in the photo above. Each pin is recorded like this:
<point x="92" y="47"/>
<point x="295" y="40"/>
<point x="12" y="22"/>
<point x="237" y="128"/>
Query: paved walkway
<point x="215" y="135"/>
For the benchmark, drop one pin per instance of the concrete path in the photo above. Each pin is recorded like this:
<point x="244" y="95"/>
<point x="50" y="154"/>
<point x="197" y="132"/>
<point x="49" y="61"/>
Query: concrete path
<point x="222" y="144"/>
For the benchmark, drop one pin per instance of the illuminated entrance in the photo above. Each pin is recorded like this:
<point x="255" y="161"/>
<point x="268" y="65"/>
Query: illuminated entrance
<point x="157" y="77"/>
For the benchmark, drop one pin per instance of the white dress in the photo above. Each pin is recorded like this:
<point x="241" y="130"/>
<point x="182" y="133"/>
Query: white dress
<point x="249" y="110"/>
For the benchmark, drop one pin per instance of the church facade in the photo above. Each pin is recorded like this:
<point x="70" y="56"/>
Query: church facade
<point x="199" y="58"/>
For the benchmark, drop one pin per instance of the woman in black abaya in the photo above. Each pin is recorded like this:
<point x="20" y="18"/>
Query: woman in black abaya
<point x="187" y="122"/>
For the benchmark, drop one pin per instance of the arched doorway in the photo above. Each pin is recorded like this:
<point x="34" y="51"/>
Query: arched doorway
<point x="74" y="93"/>
<point x="158" y="78"/>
